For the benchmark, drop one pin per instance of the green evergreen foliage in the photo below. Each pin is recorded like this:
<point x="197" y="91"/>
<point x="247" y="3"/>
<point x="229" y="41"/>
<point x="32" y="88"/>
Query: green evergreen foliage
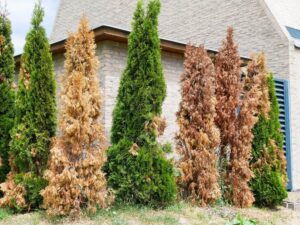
<point x="146" y="178"/>
<point x="142" y="88"/>
<point x="36" y="105"/>
<point x="268" y="128"/>
<point x="268" y="162"/>
<point x="136" y="166"/>
<point x="268" y="188"/>
<point x="33" y="185"/>
<point x="7" y="94"/>
<point x="35" y="121"/>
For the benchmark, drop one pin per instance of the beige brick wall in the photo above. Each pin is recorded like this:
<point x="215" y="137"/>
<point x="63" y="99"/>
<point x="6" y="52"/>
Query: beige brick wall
<point x="113" y="58"/>
<point x="295" y="114"/>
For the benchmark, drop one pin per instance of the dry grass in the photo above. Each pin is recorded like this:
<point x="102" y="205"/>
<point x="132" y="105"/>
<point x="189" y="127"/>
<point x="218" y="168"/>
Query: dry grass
<point x="181" y="213"/>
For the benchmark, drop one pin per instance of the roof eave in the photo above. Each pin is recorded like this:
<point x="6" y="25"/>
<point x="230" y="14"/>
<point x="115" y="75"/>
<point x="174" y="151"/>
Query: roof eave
<point x="106" y="32"/>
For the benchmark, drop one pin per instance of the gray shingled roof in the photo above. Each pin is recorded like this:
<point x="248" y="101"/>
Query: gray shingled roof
<point x="199" y="21"/>
<point x="99" y="12"/>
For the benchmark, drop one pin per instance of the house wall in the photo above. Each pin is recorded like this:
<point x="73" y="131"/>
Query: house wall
<point x="287" y="14"/>
<point x="113" y="58"/>
<point x="295" y="113"/>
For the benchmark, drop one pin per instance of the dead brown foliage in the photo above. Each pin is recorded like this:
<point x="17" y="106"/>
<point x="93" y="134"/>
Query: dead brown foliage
<point x="14" y="193"/>
<point x="237" y="113"/>
<point x="259" y="66"/>
<point x="77" y="156"/>
<point x="228" y="89"/>
<point x="239" y="173"/>
<point x="157" y="125"/>
<point x="198" y="136"/>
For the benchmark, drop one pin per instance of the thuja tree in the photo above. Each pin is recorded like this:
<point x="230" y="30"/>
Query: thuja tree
<point x="7" y="69"/>
<point x="74" y="169"/>
<point x="228" y="90"/>
<point x="237" y="109"/>
<point x="136" y="167"/>
<point x="268" y="161"/>
<point x="198" y="135"/>
<point x="35" y="121"/>
<point x="238" y="172"/>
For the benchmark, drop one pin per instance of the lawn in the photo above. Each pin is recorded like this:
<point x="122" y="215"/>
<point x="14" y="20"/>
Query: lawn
<point x="180" y="213"/>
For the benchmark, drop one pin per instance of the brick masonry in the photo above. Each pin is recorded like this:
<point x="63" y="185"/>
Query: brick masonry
<point x="295" y="114"/>
<point x="113" y="58"/>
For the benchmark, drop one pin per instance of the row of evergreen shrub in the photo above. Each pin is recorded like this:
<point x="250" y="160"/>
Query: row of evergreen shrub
<point x="214" y="141"/>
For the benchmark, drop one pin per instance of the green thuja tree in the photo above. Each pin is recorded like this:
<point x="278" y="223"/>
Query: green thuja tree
<point x="136" y="167"/>
<point x="7" y="71"/>
<point x="35" y="121"/>
<point x="268" y="162"/>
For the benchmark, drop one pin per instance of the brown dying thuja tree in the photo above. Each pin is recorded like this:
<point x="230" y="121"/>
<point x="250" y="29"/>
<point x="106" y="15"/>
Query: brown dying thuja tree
<point x="258" y="66"/>
<point x="239" y="173"/>
<point x="237" y="113"/>
<point x="228" y="90"/>
<point x="77" y="156"/>
<point x="198" y="135"/>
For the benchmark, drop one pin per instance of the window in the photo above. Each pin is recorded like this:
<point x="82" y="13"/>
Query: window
<point x="282" y="93"/>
